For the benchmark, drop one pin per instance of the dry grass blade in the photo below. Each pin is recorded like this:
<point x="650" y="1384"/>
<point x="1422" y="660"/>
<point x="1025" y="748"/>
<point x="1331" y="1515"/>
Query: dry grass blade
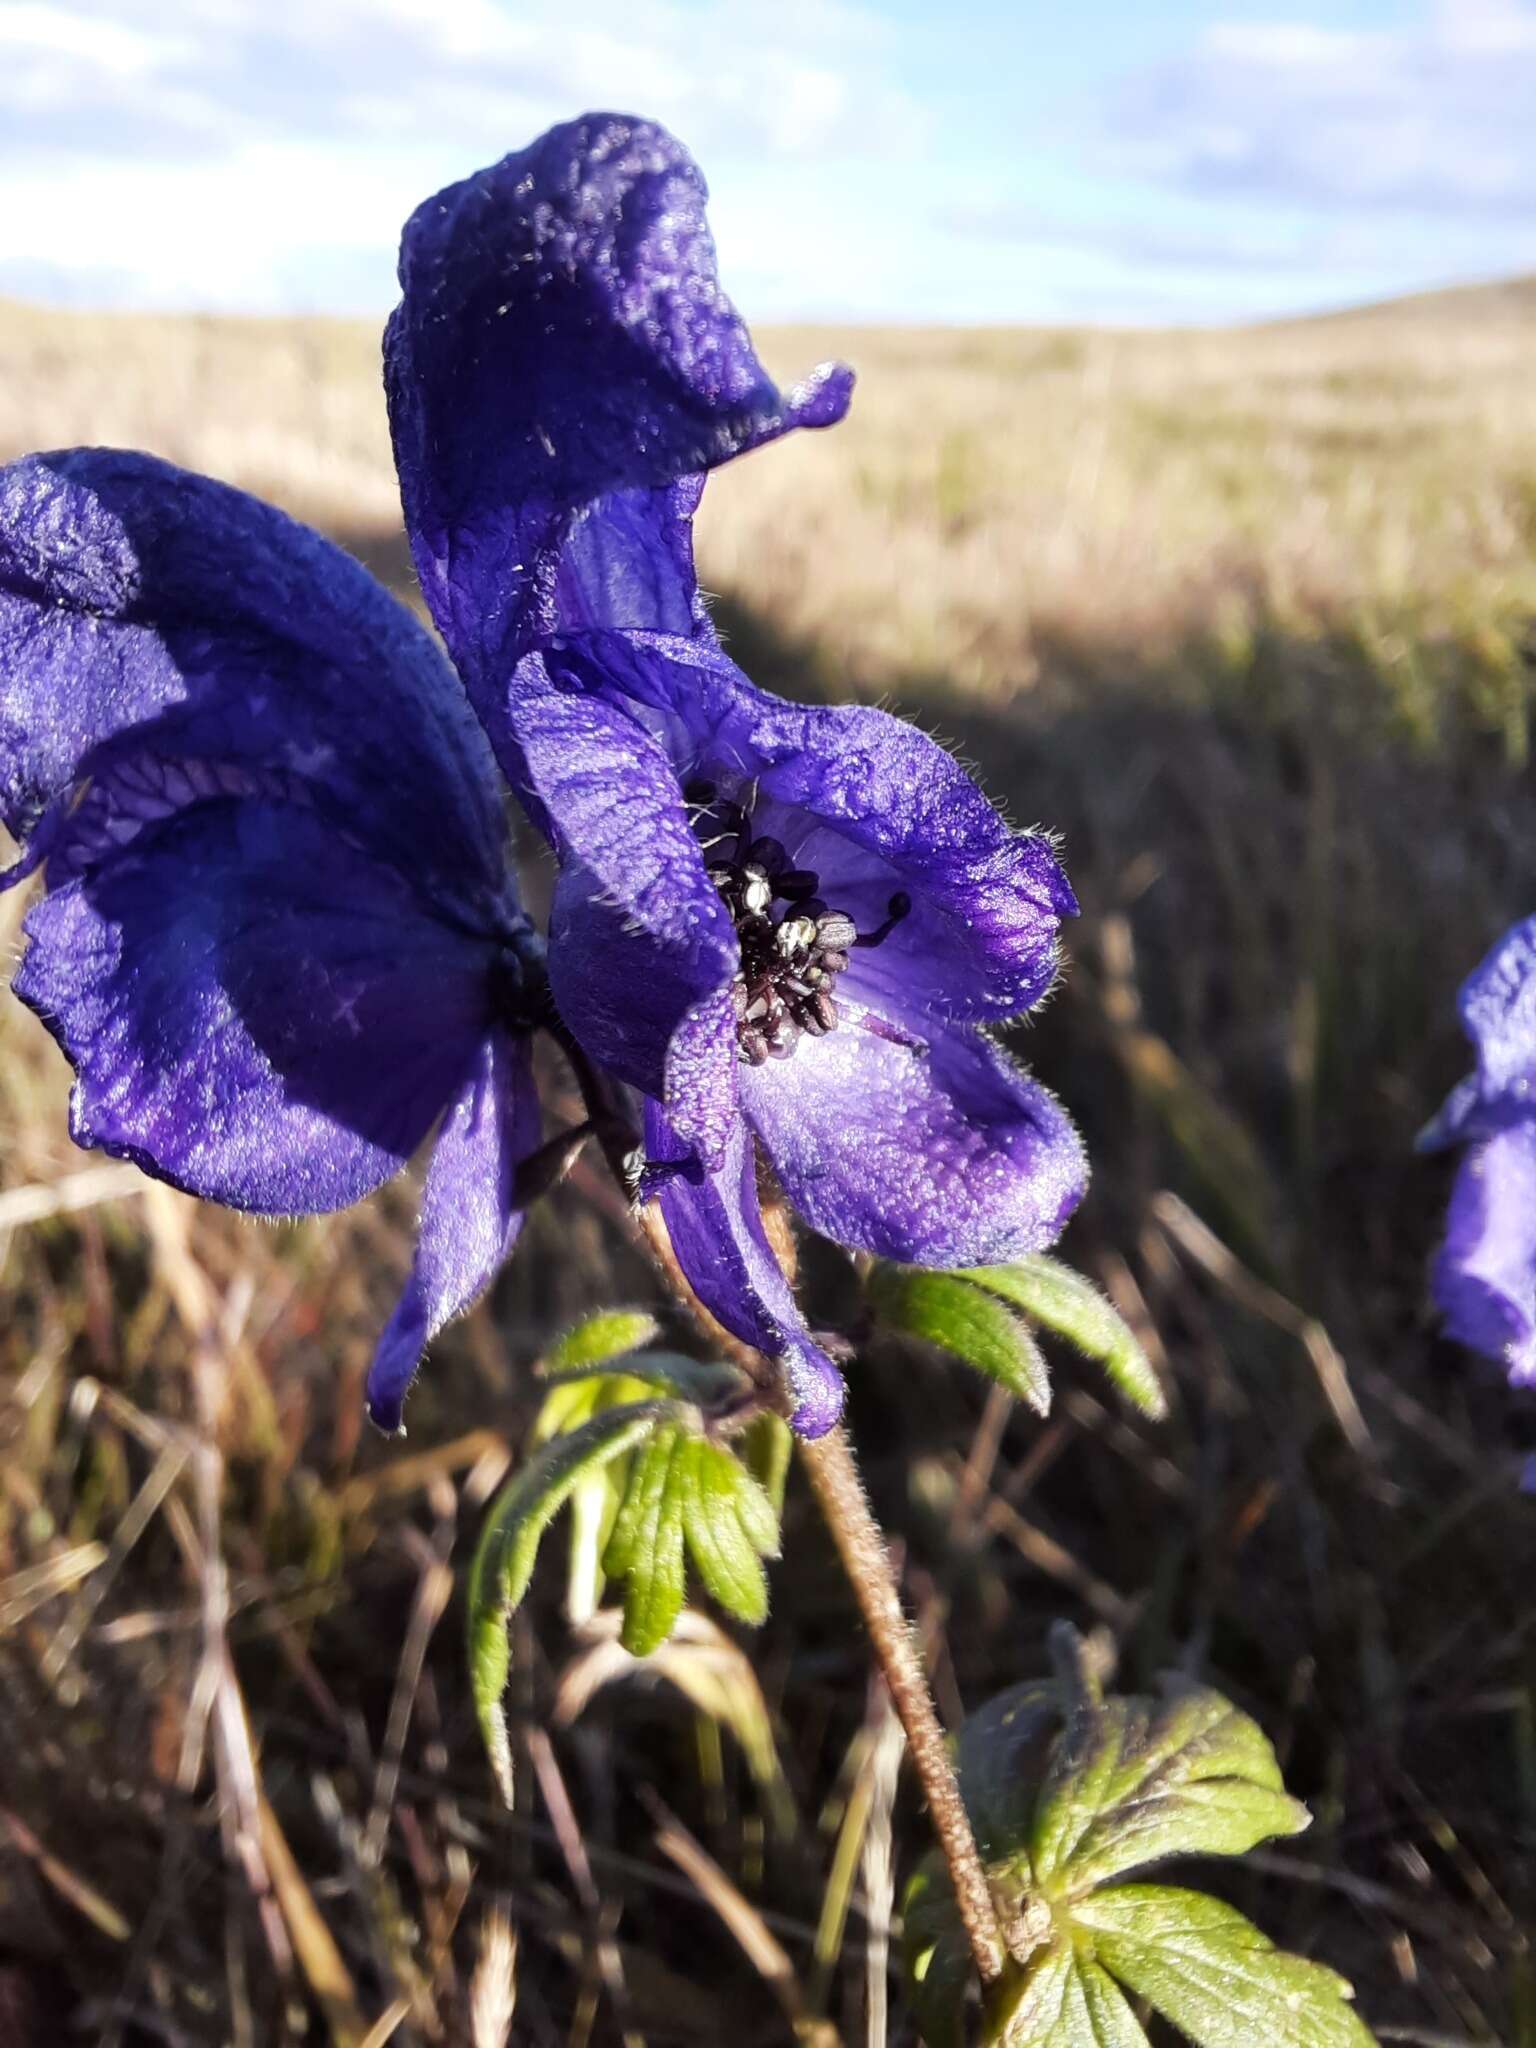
<point x="736" y="1912"/>
<point x="879" y="1862"/>
<point x="493" y="1988"/>
<point x="414" y="1474"/>
<point x="562" y="1816"/>
<point x="433" y="1593"/>
<point x="1223" y="1266"/>
<point x="864" y="1842"/>
<point x="67" y="1883"/>
<point x="36" y="1584"/>
<point x="68" y="1195"/>
<point x="319" y="1957"/>
<point x="708" y="1668"/>
<point x="1056" y="1561"/>
<point x="388" y="2024"/>
<point x="141" y="1512"/>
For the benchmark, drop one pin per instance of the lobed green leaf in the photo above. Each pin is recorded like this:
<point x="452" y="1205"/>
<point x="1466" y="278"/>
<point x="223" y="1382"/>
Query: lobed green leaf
<point x="1132" y="1781"/>
<point x="653" y="1570"/>
<point x="613" y="1334"/>
<point x="765" y="1447"/>
<point x="1061" y="1300"/>
<point x="725" y="1555"/>
<point x="703" y="1382"/>
<point x="1001" y="1754"/>
<point x="574" y="1398"/>
<point x="509" y="1542"/>
<point x="953" y="1311"/>
<point x="936" y="1955"/>
<point x="1214" y="1975"/>
<point x="1063" y="1998"/>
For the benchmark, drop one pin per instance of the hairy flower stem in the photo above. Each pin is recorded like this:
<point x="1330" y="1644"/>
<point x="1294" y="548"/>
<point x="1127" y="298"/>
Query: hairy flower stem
<point x="865" y="1557"/>
<point x="834" y="1477"/>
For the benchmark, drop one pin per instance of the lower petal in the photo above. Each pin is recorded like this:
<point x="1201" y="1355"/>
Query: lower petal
<point x="937" y="1153"/>
<point x="470" y="1215"/>
<point x="716" y="1226"/>
<point x="256" y="1011"/>
<point x="1485" y="1275"/>
<point x="642" y="948"/>
<point x="658" y="1017"/>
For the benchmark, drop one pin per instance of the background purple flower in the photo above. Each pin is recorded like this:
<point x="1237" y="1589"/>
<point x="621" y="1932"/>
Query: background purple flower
<point x="781" y="924"/>
<point x="279" y="941"/>
<point x="1485" y="1274"/>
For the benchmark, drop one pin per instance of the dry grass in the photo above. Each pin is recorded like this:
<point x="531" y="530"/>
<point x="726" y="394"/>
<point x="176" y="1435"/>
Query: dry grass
<point x="1243" y="615"/>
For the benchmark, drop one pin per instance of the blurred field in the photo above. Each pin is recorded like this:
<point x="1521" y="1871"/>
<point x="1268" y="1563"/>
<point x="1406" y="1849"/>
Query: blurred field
<point x="1248" y="617"/>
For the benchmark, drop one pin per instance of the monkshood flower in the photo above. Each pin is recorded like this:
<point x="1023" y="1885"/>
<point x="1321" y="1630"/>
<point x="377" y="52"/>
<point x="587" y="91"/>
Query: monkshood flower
<point x="785" y="927"/>
<point x="1485" y="1275"/>
<point x="278" y="941"/>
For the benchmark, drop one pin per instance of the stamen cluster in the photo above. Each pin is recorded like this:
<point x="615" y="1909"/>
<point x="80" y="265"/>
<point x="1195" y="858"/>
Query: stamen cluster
<point x="793" y="944"/>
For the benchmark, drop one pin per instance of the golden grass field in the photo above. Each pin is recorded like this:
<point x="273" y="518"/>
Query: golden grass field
<point x="1248" y="617"/>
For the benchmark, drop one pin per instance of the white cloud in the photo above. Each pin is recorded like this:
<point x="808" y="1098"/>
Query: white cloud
<point x="793" y="77"/>
<point x="263" y="153"/>
<point x="1434" y="116"/>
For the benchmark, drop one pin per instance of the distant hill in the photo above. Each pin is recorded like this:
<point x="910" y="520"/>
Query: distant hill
<point x="1503" y="298"/>
<point x="997" y="495"/>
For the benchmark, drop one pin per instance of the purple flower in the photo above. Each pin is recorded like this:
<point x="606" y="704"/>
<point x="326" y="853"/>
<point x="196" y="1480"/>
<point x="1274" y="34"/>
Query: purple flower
<point x="279" y="941"/>
<point x="785" y="926"/>
<point x="1485" y="1274"/>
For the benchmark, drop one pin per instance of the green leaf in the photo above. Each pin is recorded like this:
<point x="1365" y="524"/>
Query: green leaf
<point x="635" y="1521"/>
<point x="613" y="1334"/>
<point x="765" y="1447"/>
<point x="574" y="1398"/>
<point x="947" y="1309"/>
<point x="1001" y="1755"/>
<point x="509" y="1542"/>
<point x="757" y="1514"/>
<point x="936" y="1955"/>
<point x="1214" y="1975"/>
<point x="1067" y="1791"/>
<point x="655" y="1577"/>
<point x="728" y="1559"/>
<point x="1063" y="1999"/>
<point x="1131" y="1782"/>
<point x="1063" y="1301"/>
<point x="705" y="1383"/>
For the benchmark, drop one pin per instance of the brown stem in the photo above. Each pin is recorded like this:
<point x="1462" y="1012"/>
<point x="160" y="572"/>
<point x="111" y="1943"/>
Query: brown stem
<point x="865" y="1558"/>
<point x="840" y="1494"/>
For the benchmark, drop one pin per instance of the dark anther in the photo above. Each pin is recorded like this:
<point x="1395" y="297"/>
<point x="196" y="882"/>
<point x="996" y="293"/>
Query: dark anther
<point x="751" y="1046"/>
<point x="899" y="906"/>
<point x="796" y="884"/>
<point x="793" y="945"/>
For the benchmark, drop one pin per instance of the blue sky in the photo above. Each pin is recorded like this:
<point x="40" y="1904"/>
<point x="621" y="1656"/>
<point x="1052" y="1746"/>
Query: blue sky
<point x="1178" y="160"/>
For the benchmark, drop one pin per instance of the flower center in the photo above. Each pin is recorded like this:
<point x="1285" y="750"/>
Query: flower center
<point x="793" y="944"/>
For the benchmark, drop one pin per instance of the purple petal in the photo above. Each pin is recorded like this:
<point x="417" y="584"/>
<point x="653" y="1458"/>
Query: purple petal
<point x="561" y="356"/>
<point x="943" y="1154"/>
<point x="873" y="806"/>
<point x="1498" y="1013"/>
<point x="1485" y="1275"/>
<point x="469" y="1214"/>
<point x="149" y="610"/>
<point x="256" y="1010"/>
<point x="716" y="1226"/>
<point x="642" y="949"/>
